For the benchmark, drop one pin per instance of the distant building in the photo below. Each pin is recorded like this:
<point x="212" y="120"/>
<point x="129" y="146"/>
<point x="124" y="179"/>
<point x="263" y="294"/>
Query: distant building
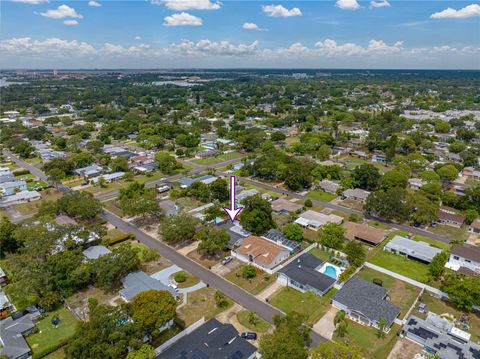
<point x="208" y="153"/>
<point x="416" y="183"/>
<point x="10" y="188"/>
<point x="450" y="218"/>
<point x="110" y="177"/>
<point x="93" y="170"/>
<point x="329" y="186"/>
<point x="20" y="197"/>
<point x="464" y="258"/>
<point x="187" y="181"/>
<point x="284" y="206"/>
<point x="356" y="194"/>
<point x="411" y="249"/>
<point x="475" y="226"/>
<point x="379" y="158"/>
<point x="138" y="282"/>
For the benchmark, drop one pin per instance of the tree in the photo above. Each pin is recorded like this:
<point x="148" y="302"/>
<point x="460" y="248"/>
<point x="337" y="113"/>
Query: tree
<point x="355" y="252"/>
<point x="367" y="176"/>
<point x="324" y="152"/>
<point x="421" y="209"/>
<point x="308" y="203"/>
<point x="119" y="164"/>
<point x="256" y="216"/>
<point x="289" y="339"/>
<point x="8" y="242"/>
<point x="437" y="265"/>
<point x="277" y="136"/>
<point x="332" y="350"/>
<point x="219" y="190"/>
<point x="146" y="351"/>
<point x="447" y="173"/>
<point x="463" y="291"/>
<point x="387" y="204"/>
<point x="180" y="227"/>
<point x="166" y="163"/>
<point x="136" y="199"/>
<point x="79" y="205"/>
<point x="331" y="235"/>
<point x="152" y="309"/>
<point x="341" y="329"/>
<point x="212" y="240"/>
<point x="394" y="178"/>
<point x="221" y="300"/>
<point x="382" y="324"/>
<point x="252" y="318"/>
<point x="200" y="191"/>
<point x="293" y="231"/>
<point x="470" y="215"/>
<point x="249" y="271"/>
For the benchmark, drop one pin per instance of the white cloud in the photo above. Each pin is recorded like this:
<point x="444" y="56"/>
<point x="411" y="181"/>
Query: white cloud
<point x="449" y="13"/>
<point x="138" y="37"/>
<point x="32" y="2"/>
<point x="348" y="4"/>
<point x="182" y="19"/>
<point x="71" y="22"/>
<point x="181" y="5"/>
<point x="61" y="12"/>
<point x="383" y="3"/>
<point x="252" y="26"/>
<point x="280" y="11"/>
<point x="94" y="3"/>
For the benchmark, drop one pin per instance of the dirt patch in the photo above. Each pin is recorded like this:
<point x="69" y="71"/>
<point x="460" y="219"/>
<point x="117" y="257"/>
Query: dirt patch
<point x="404" y="349"/>
<point x="204" y="260"/>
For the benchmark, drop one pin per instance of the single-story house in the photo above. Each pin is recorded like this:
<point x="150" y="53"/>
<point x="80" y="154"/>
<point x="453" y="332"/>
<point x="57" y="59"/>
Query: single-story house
<point x="356" y="194"/>
<point x="284" y="206"/>
<point x="168" y="207"/>
<point x="209" y="340"/>
<point x="7" y="177"/>
<point x="365" y="303"/>
<point x="5" y="303"/>
<point x="110" y="177"/>
<point x="93" y="170"/>
<point x="379" y="158"/>
<point x="141" y="160"/>
<point x="314" y="220"/>
<point x="208" y="153"/>
<point x="187" y="181"/>
<point x="138" y="282"/>
<point x="14" y="345"/>
<point x="279" y="238"/>
<point x="411" y="249"/>
<point x="4" y="171"/>
<point x="20" y="197"/>
<point x="236" y="233"/>
<point x="415" y="183"/>
<point x="240" y="197"/>
<point x="440" y="337"/>
<point x="260" y="252"/>
<point x="364" y="233"/>
<point x="303" y="274"/>
<point x="95" y="252"/>
<point x="450" y="218"/>
<point x="145" y="168"/>
<point x="10" y="188"/>
<point x="464" y="258"/>
<point x="329" y="186"/>
<point x="475" y="226"/>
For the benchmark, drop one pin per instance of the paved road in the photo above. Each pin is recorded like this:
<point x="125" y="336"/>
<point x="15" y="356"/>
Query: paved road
<point x="245" y="299"/>
<point x="414" y="230"/>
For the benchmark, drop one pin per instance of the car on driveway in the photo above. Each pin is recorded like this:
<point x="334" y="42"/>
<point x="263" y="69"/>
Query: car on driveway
<point x="249" y="335"/>
<point x="227" y="260"/>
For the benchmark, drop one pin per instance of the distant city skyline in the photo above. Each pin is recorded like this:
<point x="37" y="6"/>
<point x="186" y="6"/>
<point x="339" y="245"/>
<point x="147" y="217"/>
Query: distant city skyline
<point x="240" y="34"/>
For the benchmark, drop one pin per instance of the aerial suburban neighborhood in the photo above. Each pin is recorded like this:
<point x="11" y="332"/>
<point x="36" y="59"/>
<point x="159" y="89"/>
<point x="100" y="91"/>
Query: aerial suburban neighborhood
<point x="237" y="213"/>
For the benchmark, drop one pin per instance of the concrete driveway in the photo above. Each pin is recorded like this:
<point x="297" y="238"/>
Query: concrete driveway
<point x="325" y="326"/>
<point x="165" y="274"/>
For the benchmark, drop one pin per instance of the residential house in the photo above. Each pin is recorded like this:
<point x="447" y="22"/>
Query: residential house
<point x="364" y="232"/>
<point x="278" y="237"/>
<point x="235" y="231"/>
<point x="314" y="220"/>
<point x="94" y="252"/>
<point x="356" y="194"/>
<point x="416" y="183"/>
<point x="329" y="186"/>
<point x="303" y="273"/>
<point x="208" y="153"/>
<point x="20" y="197"/>
<point x="187" y="181"/>
<point x="379" y="158"/>
<point x="464" y="258"/>
<point x="411" y="249"/>
<point x="240" y="197"/>
<point x="14" y="345"/>
<point x="212" y="339"/>
<point x="4" y="171"/>
<point x="450" y="218"/>
<point x="10" y="188"/>
<point x="260" y="252"/>
<point x="439" y="337"/>
<point x="475" y="226"/>
<point x="138" y="282"/>
<point x="110" y="177"/>
<point x="93" y="170"/>
<point x="8" y="177"/>
<point x="284" y="206"/>
<point x="365" y="303"/>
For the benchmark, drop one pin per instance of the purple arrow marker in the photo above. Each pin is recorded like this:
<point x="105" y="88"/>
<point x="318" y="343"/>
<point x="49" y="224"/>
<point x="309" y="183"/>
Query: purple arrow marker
<point x="233" y="211"/>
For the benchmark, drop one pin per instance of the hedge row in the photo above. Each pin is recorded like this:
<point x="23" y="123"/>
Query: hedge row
<point x="21" y="172"/>
<point x="121" y="238"/>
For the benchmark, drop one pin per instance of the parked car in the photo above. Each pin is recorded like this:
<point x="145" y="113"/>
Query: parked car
<point x="226" y="260"/>
<point x="249" y="335"/>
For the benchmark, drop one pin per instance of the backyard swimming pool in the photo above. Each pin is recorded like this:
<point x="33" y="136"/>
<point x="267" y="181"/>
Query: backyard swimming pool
<point x="331" y="270"/>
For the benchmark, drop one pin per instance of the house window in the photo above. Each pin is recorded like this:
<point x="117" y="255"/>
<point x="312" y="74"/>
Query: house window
<point x="468" y="261"/>
<point x="456" y="257"/>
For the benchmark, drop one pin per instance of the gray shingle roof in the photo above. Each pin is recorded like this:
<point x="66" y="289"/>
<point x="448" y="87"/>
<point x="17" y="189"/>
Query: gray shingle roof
<point x="367" y="298"/>
<point x="138" y="282"/>
<point x="94" y="252"/>
<point x="14" y="344"/>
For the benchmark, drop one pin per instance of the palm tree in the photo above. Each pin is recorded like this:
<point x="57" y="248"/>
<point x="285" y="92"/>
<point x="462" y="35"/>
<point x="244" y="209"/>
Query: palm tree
<point x="382" y="324"/>
<point x="339" y="317"/>
<point x="341" y="329"/>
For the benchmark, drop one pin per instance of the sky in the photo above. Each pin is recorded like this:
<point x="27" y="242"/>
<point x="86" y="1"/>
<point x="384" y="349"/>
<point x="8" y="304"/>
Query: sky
<point x="382" y="34"/>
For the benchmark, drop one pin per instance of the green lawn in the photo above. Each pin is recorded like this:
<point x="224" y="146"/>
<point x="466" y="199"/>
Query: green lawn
<point x="189" y="282"/>
<point x="320" y="195"/>
<point x="434" y="243"/>
<point x="32" y="207"/>
<point x="48" y="336"/>
<point x="309" y="304"/>
<point x="453" y="233"/>
<point x="377" y="224"/>
<point x="111" y="206"/>
<point x="200" y="303"/>
<point x="401" y="265"/>
<point x="253" y="285"/>
<point x="261" y="326"/>
<point x="401" y="294"/>
<point x="366" y="340"/>
<point x="323" y="255"/>
<point x="212" y="160"/>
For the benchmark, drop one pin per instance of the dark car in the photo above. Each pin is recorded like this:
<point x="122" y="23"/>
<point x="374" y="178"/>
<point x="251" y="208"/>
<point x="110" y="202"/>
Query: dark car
<point x="249" y="335"/>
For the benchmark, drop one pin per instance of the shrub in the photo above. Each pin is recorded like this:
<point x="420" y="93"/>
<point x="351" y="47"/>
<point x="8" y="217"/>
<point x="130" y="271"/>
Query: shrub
<point x="346" y="274"/>
<point x="21" y="172"/>
<point x="120" y="239"/>
<point x="355" y="217"/>
<point x="180" y="277"/>
<point x="308" y="203"/>
<point x="249" y="271"/>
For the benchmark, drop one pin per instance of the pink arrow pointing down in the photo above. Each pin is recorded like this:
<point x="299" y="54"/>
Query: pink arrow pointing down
<point x="233" y="211"/>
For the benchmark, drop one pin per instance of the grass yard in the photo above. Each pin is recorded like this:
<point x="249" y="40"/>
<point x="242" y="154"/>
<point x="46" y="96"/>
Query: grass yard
<point x="323" y="255"/>
<point x="32" y="207"/>
<point x="49" y="336"/>
<point x="261" y="326"/>
<point x="188" y="203"/>
<point x="321" y="195"/>
<point x="57" y="354"/>
<point x="438" y="306"/>
<point x="401" y="294"/>
<point x="212" y="160"/>
<point x="309" y="304"/>
<point x="112" y="207"/>
<point x="253" y="285"/>
<point x="365" y="338"/>
<point x="434" y="243"/>
<point x="453" y="233"/>
<point x="377" y="224"/>
<point x="200" y="303"/>
<point x="401" y="265"/>
<point x="189" y="282"/>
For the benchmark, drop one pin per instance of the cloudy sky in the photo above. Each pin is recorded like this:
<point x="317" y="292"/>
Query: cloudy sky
<point x="207" y="34"/>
